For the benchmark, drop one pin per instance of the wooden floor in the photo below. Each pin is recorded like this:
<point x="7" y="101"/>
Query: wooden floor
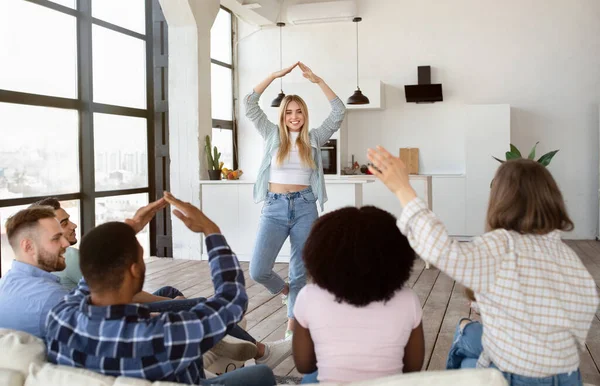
<point x="443" y="303"/>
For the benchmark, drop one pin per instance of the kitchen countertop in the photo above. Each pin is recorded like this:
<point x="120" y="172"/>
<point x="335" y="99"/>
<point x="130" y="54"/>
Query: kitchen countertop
<point x="369" y="177"/>
<point x="328" y="179"/>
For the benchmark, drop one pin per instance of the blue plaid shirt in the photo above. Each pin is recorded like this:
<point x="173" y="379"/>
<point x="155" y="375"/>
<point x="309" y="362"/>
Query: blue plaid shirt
<point x="124" y="340"/>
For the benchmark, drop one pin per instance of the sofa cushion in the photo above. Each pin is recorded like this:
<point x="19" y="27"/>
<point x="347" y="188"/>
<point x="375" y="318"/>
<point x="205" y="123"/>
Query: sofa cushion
<point x="19" y="350"/>
<point x="53" y="375"/>
<point x="126" y="381"/>
<point x="479" y="377"/>
<point x="11" y="378"/>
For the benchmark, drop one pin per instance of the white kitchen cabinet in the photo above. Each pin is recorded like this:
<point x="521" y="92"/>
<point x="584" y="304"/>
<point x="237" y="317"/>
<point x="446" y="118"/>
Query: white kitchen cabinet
<point x="341" y="195"/>
<point x="221" y="204"/>
<point x="377" y="194"/>
<point x="231" y="206"/>
<point x="449" y="202"/>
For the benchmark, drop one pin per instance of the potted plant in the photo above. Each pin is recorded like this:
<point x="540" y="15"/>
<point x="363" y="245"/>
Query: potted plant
<point x="213" y="157"/>
<point x="515" y="153"/>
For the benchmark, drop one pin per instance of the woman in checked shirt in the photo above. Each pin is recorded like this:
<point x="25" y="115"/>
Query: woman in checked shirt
<point x="536" y="298"/>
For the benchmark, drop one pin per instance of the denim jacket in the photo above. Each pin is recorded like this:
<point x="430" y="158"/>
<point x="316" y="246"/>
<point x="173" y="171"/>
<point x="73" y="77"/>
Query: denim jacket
<point x="270" y="133"/>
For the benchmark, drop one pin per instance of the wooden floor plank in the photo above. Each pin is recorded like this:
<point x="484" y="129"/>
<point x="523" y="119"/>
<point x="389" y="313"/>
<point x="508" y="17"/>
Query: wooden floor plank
<point x="425" y="283"/>
<point x="267" y="309"/>
<point x="589" y="370"/>
<point x="417" y="270"/>
<point x="159" y="266"/>
<point x="458" y="308"/>
<point x="593" y="342"/>
<point x="590" y="263"/>
<point x="285" y="367"/>
<point x="433" y="311"/>
<point x="179" y="274"/>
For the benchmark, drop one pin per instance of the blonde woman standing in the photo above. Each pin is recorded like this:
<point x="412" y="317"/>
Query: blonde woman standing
<point x="290" y="181"/>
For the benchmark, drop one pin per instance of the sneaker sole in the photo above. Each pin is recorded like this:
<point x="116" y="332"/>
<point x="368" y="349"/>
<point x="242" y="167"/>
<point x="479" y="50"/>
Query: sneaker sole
<point x="236" y="349"/>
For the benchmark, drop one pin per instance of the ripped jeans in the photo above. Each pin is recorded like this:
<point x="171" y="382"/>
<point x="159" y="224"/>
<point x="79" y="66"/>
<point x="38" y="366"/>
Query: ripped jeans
<point x="466" y="349"/>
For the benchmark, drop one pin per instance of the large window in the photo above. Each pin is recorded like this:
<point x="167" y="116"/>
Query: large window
<point x="221" y="54"/>
<point x="83" y="112"/>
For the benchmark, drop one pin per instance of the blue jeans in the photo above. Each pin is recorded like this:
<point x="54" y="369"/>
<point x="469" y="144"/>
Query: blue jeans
<point x="283" y="215"/>
<point x="259" y="375"/>
<point x="310" y="378"/>
<point x="466" y="349"/>
<point x="185" y="305"/>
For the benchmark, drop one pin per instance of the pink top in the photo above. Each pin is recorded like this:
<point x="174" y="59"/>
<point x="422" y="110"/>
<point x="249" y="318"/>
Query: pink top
<point x="357" y="343"/>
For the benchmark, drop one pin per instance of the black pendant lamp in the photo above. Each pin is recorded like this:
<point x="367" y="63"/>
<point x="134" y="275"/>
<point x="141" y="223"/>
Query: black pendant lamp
<point x="277" y="101"/>
<point x="357" y="98"/>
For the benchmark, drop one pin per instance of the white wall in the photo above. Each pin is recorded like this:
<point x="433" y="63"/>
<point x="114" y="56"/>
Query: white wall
<point x="542" y="57"/>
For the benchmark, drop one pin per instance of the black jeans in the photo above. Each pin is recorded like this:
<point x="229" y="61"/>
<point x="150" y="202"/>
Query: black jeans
<point x="177" y="305"/>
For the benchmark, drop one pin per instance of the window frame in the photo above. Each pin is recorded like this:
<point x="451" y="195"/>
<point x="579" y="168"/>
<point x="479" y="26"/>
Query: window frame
<point x="226" y="124"/>
<point x="155" y="113"/>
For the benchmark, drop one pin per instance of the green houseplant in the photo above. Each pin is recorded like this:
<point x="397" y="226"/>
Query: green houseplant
<point x="515" y="153"/>
<point x="213" y="157"/>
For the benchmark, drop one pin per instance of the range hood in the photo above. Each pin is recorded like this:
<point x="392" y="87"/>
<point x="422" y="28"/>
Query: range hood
<point x="424" y="92"/>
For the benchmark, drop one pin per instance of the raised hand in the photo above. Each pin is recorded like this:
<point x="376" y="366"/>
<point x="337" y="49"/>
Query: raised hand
<point x="308" y="74"/>
<point x="145" y="214"/>
<point x="192" y="217"/>
<point x="285" y="71"/>
<point x="392" y="172"/>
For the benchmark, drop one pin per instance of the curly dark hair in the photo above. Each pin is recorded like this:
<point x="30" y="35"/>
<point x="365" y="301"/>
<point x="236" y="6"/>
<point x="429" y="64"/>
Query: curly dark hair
<point x="359" y="255"/>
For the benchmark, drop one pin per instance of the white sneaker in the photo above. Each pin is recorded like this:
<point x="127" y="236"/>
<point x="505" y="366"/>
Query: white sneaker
<point x="276" y="352"/>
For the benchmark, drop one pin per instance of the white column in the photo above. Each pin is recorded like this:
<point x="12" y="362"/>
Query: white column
<point x="189" y="23"/>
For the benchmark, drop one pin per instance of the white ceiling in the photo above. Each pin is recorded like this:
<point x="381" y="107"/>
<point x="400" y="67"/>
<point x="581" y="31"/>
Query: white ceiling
<point x="264" y="12"/>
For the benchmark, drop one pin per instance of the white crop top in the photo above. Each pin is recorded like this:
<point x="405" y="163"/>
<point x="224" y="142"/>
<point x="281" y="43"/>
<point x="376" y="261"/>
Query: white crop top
<point x="291" y="171"/>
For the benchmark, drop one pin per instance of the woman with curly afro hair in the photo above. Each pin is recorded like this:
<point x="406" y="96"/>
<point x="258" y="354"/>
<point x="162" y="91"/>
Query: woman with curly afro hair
<point x="357" y="320"/>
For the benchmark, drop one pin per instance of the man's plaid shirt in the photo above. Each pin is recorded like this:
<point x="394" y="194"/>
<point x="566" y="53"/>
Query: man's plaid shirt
<point x="124" y="340"/>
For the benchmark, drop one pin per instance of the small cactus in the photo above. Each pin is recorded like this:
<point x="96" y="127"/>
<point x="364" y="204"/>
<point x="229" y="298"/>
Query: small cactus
<point x="216" y="159"/>
<point x="213" y="160"/>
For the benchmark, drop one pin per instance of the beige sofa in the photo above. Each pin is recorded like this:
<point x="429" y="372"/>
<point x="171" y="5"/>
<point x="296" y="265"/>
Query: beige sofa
<point x="23" y="362"/>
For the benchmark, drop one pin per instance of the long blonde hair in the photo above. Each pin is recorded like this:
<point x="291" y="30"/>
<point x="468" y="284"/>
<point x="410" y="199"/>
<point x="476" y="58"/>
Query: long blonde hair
<point x="303" y="141"/>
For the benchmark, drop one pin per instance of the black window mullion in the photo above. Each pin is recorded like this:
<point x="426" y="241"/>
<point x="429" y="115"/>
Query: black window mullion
<point x="233" y="79"/>
<point x="119" y="110"/>
<point x="6" y="202"/>
<point x="55" y="6"/>
<point x="117" y="28"/>
<point x="222" y="64"/>
<point x="24" y="98"/>
<point x="86" y="116"/>
<point x="158" y="127"/>
<point x="150" y="119"/>
<point x="121" y="192"/>
<point x="222" y="124"/>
